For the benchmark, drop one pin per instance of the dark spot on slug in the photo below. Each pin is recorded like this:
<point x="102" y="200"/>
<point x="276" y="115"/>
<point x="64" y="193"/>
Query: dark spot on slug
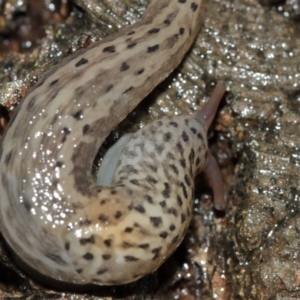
<point x="118" y="215"/>
<point x="139" y="72"/>
<point x="108" y="242"/>
<point x="103" y="218"/>
<point x="156" y="221"/>
<point x="174" y="168"/>
<point x="199" y="135"/>
<point x="103" y="201"/>
<point x="167" y="21"/>
<point x="101" y="271"/>
<point x="166" y="191"/>
<point x="128" y="229"/>
<point x="170" y="155"/>
<point x="152" y="49"/>
<point x="86" y="222"/>
<point x="183" y="163"/>
<point x="26" y="204"/>
<point x="192" y="156"/>
<point x="163" y="234"/>
<point x="67" y="246"/>
<point x="124" y="67"/>
<point x="54" y="257"/>
<point x="128" y="90"/>
<point x="181" y="30"/>
<point x="172" y="211"/>
<point x="174" y="124"/>
<point x="127" y="245"/>
<point x="106" y="256"/>
<point x="185" y="137"/>
<point x="193" y="130"/>
<point x="90" y="240"/>
<point x="109" y="49"/>
<point x="183" y="218"/>
<point x="149" y="199"/>
<point x="198" y="161"/>
<point x="163" y="203"/>
<point x="30" y="105"/>
<point x="151" y="179"/>
<point x="153" y="30"/>
<point x="144" y="246"/>
<point x="130" y="258"/>
<point x="179" y="200"/>
<point x="53" y="82"/>
<point x="156" y="252"/>
<point x="194" y="6"/>
<point x="108" y="88"/>
<point x="187" y="180"/>
<point x="159" y="149"/>
<point x="167" y="136"/>
<point x="88" y="256"/>
<point x="179" y="148"/>
<point x="184" y="190"/>
<point x="79" y="271"/>
<point x="151" y="167"/>
<point x="172" y="227"/>
<point x="85" y="128"/>
<point x="128" y="169"/>
<point x="132" y="45"/>
<point x="53" y="95"/>
<point x="140" y="209"/>
<point x="130" y="154"/>
<point x="81" y="62"/>
<point x="131" y="33"/>
<point x="66" y="130"/>
<point x="8" y="157"/>
<point x="78" y="115"/>
<point x="134" y="181"/>
<point x="172" y="40"/>
<point x="152" y="155"/>
<point x="175" y="239"/>
<point x="59" y="164"/>
<point x="181" y="1"/>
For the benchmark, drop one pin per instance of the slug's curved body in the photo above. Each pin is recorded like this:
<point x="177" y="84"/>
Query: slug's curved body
<point x="53" y="215"/>
<point x="132" y="227"/>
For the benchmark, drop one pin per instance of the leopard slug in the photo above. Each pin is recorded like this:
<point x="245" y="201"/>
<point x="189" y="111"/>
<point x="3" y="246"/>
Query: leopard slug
<point x="52" y="214"/>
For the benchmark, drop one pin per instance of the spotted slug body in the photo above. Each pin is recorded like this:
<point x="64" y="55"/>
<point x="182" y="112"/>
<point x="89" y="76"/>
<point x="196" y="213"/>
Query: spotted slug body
<point x="52" y="214"/>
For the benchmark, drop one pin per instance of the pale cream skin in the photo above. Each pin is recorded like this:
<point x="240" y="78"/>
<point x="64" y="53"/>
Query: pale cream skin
<point x="52" y="214"/>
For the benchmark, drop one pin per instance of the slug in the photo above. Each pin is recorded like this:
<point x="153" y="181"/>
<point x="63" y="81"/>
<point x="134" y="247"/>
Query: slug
<point x="52" y="214"/>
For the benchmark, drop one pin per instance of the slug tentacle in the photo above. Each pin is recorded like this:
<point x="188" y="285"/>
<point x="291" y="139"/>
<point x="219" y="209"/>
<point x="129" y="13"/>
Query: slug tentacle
<point x="52" y="214"/>
<point x="208" y="112"/>
<point x="214" y="176"/>
<point x="212" y="171"/>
